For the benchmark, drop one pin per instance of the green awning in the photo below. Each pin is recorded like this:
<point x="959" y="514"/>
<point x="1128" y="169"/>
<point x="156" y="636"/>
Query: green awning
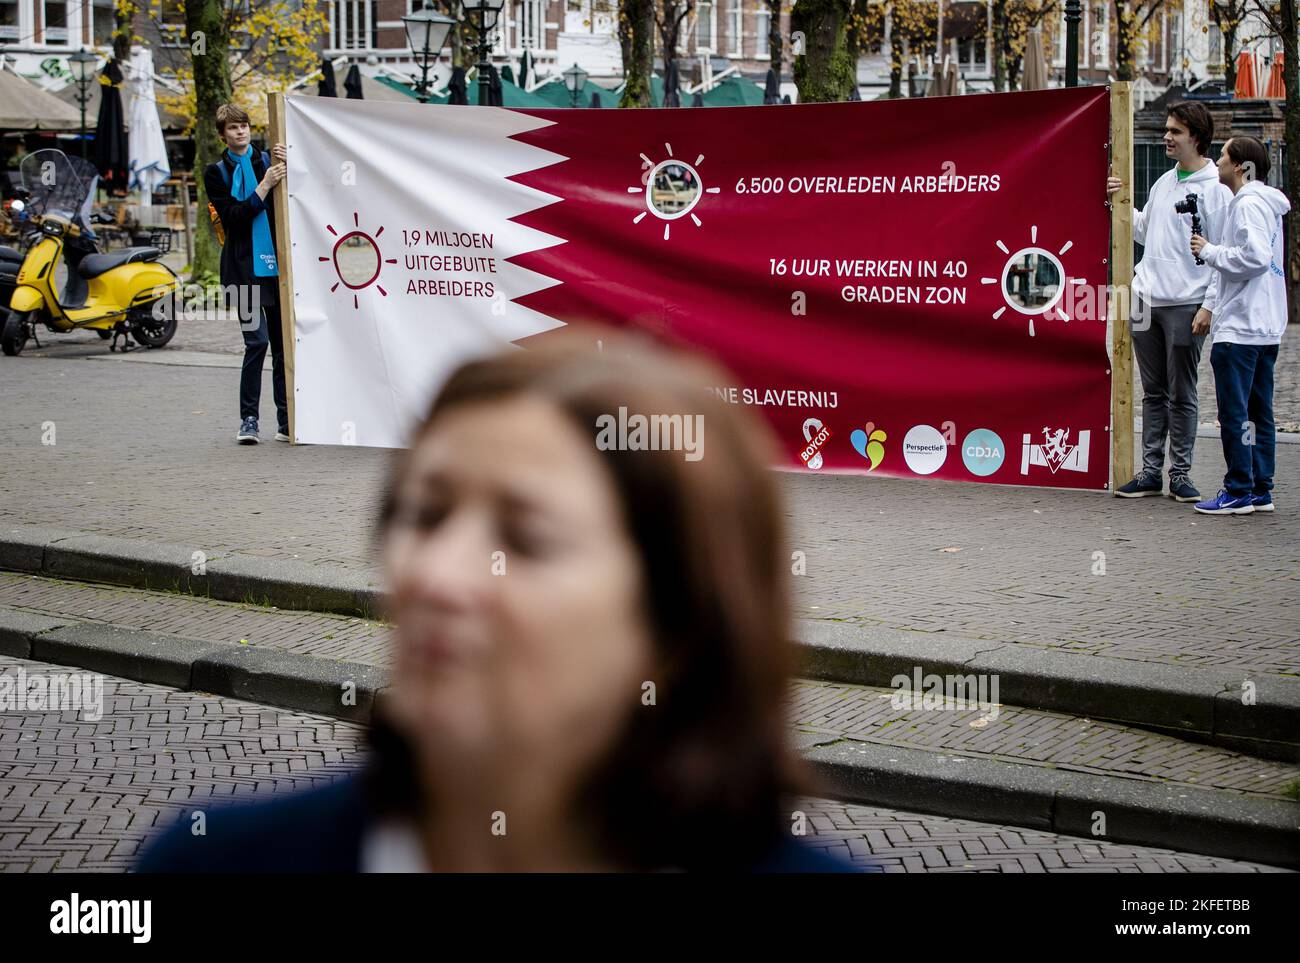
<point x="734" y="91"/>
<point x="557" y="95"/>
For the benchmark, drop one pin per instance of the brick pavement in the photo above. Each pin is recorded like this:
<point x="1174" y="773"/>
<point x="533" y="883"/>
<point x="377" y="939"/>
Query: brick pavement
<point x="145" y="451"/>
<point x="77" y="795"/>
<point x="826" y="711"/>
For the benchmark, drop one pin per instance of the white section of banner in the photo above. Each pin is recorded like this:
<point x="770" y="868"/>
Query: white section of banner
<point x="417" y="183"/>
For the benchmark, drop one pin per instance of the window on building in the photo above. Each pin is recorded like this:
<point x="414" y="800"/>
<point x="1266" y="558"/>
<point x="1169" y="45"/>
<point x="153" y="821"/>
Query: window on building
<point x="530" y="23"/>
<point x="735" y="28"/>
<point x="102" y="23"/>
<point x="56" y="22"/>
<point x="352" y="25"/>
<point x="762" y="27"/>
<point x="9" y="20"/>
<point x="972" y="53"/>
<point x="704" y="26"/>
<point x="1100" y="48"/>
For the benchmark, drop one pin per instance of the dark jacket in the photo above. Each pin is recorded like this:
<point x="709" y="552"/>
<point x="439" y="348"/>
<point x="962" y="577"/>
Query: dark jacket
<point x="320" y="831"/>
<point x="237" y="221"/>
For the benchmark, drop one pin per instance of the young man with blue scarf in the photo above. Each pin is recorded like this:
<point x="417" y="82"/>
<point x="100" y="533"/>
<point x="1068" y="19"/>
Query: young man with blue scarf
<point x="238" y="186"/>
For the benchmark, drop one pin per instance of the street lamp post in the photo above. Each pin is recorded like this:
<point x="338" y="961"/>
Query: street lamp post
<point x="82" y="64"/>
<point x="575" y="78"/>
<point x="1073" y="13"/>
<point x="426" y="32"/>
<point x="482" y="15"/>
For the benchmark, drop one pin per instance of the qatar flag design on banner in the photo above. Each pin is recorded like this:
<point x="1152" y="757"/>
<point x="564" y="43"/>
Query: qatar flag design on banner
<point x="911" y="288"/>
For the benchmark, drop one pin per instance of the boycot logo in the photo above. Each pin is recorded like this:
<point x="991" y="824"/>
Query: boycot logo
<point x="924" y="449"/>
<point x="816" y="435"/>
<point x="131" y="916"/>
<point x="982" y="452"/>
<point x="1055" y="451"/>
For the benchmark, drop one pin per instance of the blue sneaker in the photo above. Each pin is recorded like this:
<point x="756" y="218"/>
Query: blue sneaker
<point x="1262" y="503"/>
<point x="1225" y="504"/>
<point x="1181" y="489"/>
<point x="1145" y="484"/>
<point x="248" y="432"/>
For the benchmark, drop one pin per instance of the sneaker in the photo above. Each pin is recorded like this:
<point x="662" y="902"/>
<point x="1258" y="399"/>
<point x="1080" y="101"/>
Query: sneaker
<point x="282" y="435"/>
<point x="1225" y="504"/>
<point x="248" y="432"/>
<point x="1181" y="489"/>
<point x="1262" y="503"/>
<point x="1146" y="483"/>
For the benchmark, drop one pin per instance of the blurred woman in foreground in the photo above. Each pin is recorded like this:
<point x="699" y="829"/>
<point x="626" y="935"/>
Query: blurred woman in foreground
<point x="592" y="641"/>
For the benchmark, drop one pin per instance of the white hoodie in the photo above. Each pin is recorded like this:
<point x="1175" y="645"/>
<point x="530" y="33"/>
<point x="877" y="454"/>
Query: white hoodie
<point x="1247" y="298"/>
<point x="1167" y="273"/>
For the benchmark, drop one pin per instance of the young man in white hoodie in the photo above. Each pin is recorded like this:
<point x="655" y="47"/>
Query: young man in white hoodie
<point x="1168" y="287"/>
<point x="1245" y="311"/>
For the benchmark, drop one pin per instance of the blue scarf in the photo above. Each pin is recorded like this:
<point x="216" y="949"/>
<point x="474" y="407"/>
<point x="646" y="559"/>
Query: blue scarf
<point x="242" y="185"/>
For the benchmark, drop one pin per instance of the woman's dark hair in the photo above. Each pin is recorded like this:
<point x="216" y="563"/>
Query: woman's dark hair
<point x="698" y="779"/>
<point x="1251" y="155"/>
<point x="1196" y="118"/>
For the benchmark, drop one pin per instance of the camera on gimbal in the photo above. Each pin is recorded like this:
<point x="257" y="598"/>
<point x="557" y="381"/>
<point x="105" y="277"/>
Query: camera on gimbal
<point x="1188" y="205"/>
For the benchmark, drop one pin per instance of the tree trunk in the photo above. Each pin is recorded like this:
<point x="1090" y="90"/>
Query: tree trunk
<point x="123" y="28"/>
<point x="205" y="28"/>
<point x="1125" y="40"/>
<point x="895" y="61"/>
<point x="1001" y="44"/>
<point x="825" y="72"/>
<point x="636" y="35"/>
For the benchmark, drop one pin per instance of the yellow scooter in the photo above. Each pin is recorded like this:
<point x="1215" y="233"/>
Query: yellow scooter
<point x="122" y="294"/>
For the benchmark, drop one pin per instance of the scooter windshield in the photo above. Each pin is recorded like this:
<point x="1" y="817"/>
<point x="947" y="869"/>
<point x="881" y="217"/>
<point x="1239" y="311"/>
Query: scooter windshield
<point x="57" y="183"/>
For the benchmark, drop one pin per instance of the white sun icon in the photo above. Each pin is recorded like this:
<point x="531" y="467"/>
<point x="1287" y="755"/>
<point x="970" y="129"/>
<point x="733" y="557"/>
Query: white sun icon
<point x="1033" y="280"/>
<point x="672" y="189"/>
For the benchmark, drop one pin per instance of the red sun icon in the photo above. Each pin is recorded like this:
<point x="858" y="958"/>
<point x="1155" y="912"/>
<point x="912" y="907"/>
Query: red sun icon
<point x="357" y="259"/>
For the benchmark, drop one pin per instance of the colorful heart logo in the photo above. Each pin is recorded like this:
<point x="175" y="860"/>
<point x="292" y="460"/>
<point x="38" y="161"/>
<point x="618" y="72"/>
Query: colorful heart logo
<point x="870" y="444"/>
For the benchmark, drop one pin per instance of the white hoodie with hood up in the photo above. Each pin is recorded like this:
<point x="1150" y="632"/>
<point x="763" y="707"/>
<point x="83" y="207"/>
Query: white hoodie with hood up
<point x="1167" y="273"/>
<point x="1247" y="298"/>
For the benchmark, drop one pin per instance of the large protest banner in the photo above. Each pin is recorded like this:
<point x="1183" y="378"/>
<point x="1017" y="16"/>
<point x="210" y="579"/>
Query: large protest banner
<point x="910" y="288"/>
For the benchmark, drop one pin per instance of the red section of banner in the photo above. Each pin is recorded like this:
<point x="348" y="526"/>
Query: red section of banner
<point x="898" y="272"/>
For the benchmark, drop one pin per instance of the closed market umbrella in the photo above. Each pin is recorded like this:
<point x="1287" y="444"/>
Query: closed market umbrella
<point x="698" y="99"/>
<point x="595" y="99"/>
<point x="149" y="167"/>
<point x="508" y="73"/>
<point x="1035" y="77"/>
<point x="672" y="97"/>
<point x="326" y="86"/>
<point x="112" y="151"/>
<point x="353" y="83"/>
<point x="495" y="95"/>
<point x="525" y="68"/>
<point x="771" y="88"/>
<point x="1246" y="87"/>
<point x="456" y="87"/>
<point x="1276" y="88"/>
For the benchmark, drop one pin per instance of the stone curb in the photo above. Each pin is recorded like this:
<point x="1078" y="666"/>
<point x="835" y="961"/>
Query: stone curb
<point x="344" y="690"/>
<point x="1210" y="822"/>
<point x="163" y="567"/>
<point x="1202" y="704"/>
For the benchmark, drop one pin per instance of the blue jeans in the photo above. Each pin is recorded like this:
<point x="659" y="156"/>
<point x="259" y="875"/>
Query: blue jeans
<point x="1243" y="384"/>
<point x="256" y="341"/>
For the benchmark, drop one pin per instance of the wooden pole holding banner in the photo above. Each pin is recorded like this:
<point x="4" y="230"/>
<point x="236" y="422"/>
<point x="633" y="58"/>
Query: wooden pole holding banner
<point x="284" y="255"/>
<point x="1121" y="275"/>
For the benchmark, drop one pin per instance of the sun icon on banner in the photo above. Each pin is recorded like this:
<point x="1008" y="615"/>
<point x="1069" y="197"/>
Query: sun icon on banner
<point x="357" y="260"/>
<point x="1033" y="280"/>
<point x="672" y="188"/>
